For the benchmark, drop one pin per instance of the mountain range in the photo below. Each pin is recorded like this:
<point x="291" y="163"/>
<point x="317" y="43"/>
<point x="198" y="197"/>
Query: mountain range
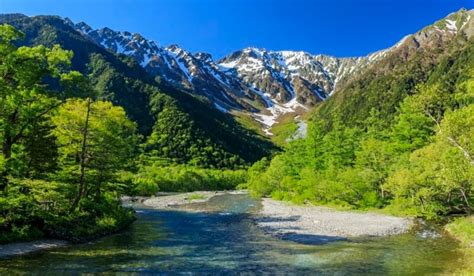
<point x="264" y="84"/>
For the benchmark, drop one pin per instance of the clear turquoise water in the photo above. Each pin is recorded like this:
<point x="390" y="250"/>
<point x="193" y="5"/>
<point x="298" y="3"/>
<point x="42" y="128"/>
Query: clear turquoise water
<point x="225" y="241"/>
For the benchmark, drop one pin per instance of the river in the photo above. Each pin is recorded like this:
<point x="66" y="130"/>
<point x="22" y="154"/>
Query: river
<point x="224" y="240"/>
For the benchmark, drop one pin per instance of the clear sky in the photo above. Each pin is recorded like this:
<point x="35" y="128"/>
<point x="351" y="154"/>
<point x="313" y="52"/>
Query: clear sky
<point x="340" y="28"/>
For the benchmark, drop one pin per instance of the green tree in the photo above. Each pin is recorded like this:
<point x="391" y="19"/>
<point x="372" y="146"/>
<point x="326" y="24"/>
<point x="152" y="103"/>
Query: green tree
<point x="413" y="128"/>
<point x="457" y="128"/>
<point x="340" y="145"/>
<point x="436" y="181"/>
<point x="438" y="178"/>
<point x="314" y="142"/>
<point x="376" y="158"/>
<point x="95" y="139"/>
<point x="24" y="98"/>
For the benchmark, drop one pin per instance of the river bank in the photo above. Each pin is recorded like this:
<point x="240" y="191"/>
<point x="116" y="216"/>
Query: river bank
<point x="174" y="201"/>
<point x="318" y="225"/>
<point x="305" y="224"/>
<point x="313" y="224"/>
<point x="462" y="229"/>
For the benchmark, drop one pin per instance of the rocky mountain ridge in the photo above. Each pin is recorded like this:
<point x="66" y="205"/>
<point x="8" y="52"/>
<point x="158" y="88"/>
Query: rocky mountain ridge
<point x="264" y="84"/>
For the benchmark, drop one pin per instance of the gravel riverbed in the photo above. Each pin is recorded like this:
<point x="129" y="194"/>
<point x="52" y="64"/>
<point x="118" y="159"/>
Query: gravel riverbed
<point x="317" y="225"/>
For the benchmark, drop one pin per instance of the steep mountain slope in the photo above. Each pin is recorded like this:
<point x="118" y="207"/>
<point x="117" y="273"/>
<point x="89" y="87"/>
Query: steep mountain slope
<point x="180" y="126"/>
<point x="414" y="60"/>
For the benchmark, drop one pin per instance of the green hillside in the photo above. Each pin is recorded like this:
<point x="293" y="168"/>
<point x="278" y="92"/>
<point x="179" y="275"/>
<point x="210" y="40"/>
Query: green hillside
<point x="396" y="136"/>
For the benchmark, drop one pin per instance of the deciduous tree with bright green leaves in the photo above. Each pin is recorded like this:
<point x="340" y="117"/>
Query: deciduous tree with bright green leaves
<point x="95" y="141"/>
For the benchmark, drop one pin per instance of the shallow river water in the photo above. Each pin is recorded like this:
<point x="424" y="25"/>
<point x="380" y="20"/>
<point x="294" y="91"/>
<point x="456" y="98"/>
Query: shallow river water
<point x="224" y="240"/>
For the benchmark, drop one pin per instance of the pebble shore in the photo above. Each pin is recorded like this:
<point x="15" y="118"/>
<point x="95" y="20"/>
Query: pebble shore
<point x="315" y="224"/>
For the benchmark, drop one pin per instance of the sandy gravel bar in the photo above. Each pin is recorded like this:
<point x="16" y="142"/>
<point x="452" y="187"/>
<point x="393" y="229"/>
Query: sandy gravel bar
<point x="176" y="200"/>
<point x="316" y="224"/>
<point x="14" y="249"/>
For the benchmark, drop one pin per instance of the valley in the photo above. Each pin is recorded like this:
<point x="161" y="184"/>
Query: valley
<point x="122" y="155"/>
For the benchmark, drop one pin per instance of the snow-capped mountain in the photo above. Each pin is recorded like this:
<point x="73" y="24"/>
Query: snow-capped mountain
<point x="283" y="76"/>
<point x="192" y="73"/>
<point x="264" y="83"/>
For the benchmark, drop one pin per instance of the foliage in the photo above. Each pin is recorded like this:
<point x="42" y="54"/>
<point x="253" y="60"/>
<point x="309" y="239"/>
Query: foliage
<point x="434" y="182"/>
<point x="95" y="140"/>
<point x="404" y="143"/>
<point x="24" y="102"/>
<point x="155" y="177"/>
<point x="44" y="138"/>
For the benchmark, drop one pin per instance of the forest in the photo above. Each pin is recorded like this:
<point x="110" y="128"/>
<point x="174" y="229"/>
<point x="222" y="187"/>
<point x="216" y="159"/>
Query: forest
<point x="69" y="151"/>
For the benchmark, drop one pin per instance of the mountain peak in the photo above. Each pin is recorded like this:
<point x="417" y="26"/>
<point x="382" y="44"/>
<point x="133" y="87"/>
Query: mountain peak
<point x="83" y="27"/>
<point x="178" y="51"/>
<point x="455" y="21"/>
<point x="206" y="57"/>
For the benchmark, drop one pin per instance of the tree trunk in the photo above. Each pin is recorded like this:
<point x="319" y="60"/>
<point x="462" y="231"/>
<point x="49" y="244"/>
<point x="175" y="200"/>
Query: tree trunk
<point x="7" y="150"/>
<point x="466" y="200"/>
<point x="83" y="157"/>
<point x="464" y="151"/>
<point x="98" y="192"/>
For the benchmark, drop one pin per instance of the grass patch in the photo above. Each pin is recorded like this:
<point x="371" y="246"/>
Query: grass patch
<point x="462" y="229"/>
<point x="284" y="129"/>
<point x="196" y="197"/>
<point x="248" y="122"/>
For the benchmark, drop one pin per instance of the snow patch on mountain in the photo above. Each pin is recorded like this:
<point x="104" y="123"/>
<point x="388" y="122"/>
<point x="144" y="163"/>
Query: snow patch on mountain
<point x="220" y="108"/>
<point x="176" y="53"/>
<point x="451" y="25"/>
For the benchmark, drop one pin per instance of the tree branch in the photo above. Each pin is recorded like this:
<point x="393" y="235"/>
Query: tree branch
<point x="463" y="150"/>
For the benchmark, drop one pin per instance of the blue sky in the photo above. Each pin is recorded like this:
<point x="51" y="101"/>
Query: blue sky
<point x="340" y="28"/>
